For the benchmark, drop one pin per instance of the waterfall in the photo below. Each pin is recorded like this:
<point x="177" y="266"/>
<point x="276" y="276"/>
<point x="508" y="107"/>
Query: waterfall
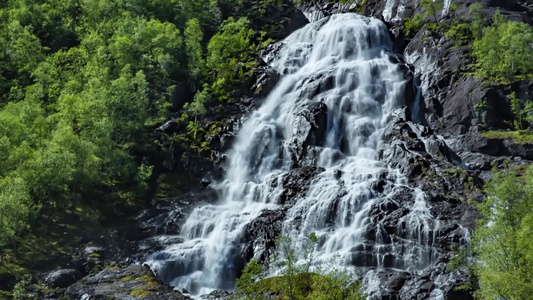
<point x="344" y="67"/>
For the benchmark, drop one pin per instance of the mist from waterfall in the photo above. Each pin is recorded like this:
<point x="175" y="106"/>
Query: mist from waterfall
<point x="346" y="63"/>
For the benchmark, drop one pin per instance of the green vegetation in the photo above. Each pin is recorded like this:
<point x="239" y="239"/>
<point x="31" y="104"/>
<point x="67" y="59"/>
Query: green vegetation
<point x="522" y="110"/>
<point x="431" y="16"/>
<point x="431" y="8"/>
<point x="519" y="137"/>
<point x="83" y="84"/>
<point x="501" y="48"/>
<point x="298" y="279"/>
<point x="504" y="53"/>
<point x="502" y="243"/>
<point x="413" y="25"/>
<point x="464" y="31"/>
<point x="141" y="293"/>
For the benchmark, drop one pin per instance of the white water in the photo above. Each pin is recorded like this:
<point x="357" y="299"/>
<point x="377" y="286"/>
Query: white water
<point x="343" y="62"/>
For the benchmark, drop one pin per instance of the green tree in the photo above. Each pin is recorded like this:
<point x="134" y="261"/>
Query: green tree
<point x="522" y="110"/>
<point x="193" y="48"/>
<point x="413" y="25"/>
<point x="466" y="30"/>
<point x="229" y="54"/>
<point x="16" y="209"/>
<point x="501" y="242"/>
<point x="504" y="53"/>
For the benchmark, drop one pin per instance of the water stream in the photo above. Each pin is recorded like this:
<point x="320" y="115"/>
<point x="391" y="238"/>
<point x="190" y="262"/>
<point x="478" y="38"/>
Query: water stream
<point x="346" y="63"/>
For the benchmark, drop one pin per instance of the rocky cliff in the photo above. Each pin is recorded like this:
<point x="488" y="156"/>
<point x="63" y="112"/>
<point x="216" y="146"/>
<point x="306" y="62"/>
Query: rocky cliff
<point x="435" y="140"/>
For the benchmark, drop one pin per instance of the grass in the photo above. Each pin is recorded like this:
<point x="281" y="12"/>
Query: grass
<point x="519" y="137"/>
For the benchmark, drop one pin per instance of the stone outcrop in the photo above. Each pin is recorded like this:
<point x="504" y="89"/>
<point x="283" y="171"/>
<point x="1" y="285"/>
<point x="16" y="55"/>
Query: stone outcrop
<point x="62" y="278"/>
<point x="132" y="282"/>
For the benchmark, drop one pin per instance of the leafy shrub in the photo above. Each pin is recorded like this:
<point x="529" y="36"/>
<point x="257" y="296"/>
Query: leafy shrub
<point x="502" y="241"/>
<point x="432" y="7"/>
<point x="522" y="109"/>
<point x="413" y="25"/>
<point x="299" y="278"/>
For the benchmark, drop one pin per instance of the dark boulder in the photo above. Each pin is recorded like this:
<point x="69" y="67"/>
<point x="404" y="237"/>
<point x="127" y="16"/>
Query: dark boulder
<point x="261" y="234"/>
<point x="317" y="115"/>
<point x="7" y="281"/>
<point x="267" y="78"/>
<point x="217" y="295"/>
<point x="477" y="143"/>
<point x="62" y="278"/>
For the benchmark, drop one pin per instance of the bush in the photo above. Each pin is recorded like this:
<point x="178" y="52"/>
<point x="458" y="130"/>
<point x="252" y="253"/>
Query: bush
<point x="432" y="7"/>
<point x="522" y="110"/>
<point x="300" y="278"/>
<point x="413" y="25"/>
<point x="502" y="241"/>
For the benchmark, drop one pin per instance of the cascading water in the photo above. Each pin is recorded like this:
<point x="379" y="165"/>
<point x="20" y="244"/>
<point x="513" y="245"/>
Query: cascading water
<point x="345" y="65"/>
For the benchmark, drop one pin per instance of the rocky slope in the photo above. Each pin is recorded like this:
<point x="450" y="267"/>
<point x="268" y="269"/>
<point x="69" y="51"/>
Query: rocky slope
<point x="434" y="141"/>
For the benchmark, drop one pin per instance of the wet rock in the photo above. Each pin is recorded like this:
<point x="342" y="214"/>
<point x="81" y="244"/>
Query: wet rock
<point x="309" y="130"/>
<point x="217" y="295"/>
<point x="165" y="218"/>
<point x="62" y="278"/>
<point x="157" y="243"/>
<point x="261" y="234"/>
<point x="317" y="115"/>
<point x="397" y="281"/>
<point x="296" y="182"/>
<point x="267" y="79"/>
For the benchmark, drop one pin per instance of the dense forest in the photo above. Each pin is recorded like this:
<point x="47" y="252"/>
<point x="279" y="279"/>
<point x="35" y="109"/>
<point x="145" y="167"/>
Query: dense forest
<point x="84" y="85"/>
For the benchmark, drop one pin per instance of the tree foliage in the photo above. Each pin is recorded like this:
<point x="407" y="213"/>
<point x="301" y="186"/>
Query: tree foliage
<point x="505" y="51"/>
<point x="503" y="246"/>
<point x="83" y="83"/>
<point x="465" y="30"/>
<point x="16" y="209"/>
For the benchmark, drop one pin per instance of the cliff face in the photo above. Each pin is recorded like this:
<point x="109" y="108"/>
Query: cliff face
<point x="436" y="142"/>
<point x="455" y="106"/>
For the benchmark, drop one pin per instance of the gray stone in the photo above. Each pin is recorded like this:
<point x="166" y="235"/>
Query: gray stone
<point x="62" y="278"/>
